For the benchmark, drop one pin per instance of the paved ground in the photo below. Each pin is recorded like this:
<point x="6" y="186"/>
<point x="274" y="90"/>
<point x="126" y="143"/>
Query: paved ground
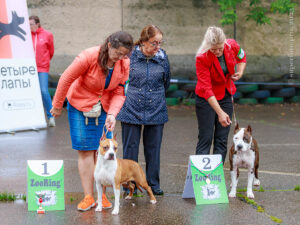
<point x="276" y="128"/>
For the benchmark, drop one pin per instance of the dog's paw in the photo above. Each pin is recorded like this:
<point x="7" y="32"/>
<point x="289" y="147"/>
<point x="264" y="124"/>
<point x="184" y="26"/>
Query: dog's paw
<point x="153" y="201"/>
<point x="98" y="209"/>
<point x="232" y="194"/>
<point x="128" y="197"/>
<point x="250" y="194"/>
<point x="115" y="211"/>
<point x="256" y="182"/>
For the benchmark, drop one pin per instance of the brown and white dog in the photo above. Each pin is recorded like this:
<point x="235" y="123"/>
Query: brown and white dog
<point x="114" y="172"/>
<point x="244" y="154"/>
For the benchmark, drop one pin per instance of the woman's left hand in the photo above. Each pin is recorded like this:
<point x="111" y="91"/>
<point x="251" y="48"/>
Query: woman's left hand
<point x="236" y="76"/>
<point x="110" y="122"/>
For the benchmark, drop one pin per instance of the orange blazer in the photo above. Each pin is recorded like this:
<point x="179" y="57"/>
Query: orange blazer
<point x="83" y="84"/>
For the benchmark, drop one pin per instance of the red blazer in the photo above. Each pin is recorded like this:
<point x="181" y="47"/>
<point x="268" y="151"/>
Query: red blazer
<point x="211" y="79"/>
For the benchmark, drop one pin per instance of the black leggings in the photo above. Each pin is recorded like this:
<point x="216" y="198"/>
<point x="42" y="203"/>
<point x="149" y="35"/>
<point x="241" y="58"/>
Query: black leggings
<point x="210" y="128"/>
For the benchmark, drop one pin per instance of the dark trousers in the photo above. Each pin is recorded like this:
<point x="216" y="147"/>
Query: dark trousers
<point x="210" y="128"/>
<point x="152" y="138"/>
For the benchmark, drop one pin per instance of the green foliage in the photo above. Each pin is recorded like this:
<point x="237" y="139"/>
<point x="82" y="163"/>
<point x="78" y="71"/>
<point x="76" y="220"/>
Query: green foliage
<point x="228" y="17"/>
<point x="297" y="188"/>
<point x="258" y="14"/>
<point x="282" y="6"/>
<point x="227" y="8"/>
<point x="275" y="219"/>
<point x="258" y="11"/>
<point x="258" y="207"/>
<point x="7" y="196"/>
<point x="241" y="190"/>
<point x="261" y="189"/>
<point x="72" y="199"/>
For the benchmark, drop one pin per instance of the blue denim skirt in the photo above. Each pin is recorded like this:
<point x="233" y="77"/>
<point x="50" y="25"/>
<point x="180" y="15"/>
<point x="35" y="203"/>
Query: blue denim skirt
<point x="85" y="137"/>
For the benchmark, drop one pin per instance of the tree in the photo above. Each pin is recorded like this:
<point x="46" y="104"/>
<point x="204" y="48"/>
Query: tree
<point x="258" y="11"/>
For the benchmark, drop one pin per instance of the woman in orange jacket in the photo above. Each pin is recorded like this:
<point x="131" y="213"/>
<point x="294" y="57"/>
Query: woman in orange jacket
<point x="98" y="74"/>
<point x="215" y="67"/>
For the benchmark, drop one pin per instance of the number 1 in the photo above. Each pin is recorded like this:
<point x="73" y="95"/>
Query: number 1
<point x="45" y="169"/>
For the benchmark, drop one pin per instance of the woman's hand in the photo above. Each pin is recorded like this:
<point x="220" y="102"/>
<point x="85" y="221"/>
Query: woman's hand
<point x="240" y="70"/>
<point x="110" y="122"/>
<point x="55" y="112"/>
<point x="236" y="76"/>
<point x="224" y="119"/>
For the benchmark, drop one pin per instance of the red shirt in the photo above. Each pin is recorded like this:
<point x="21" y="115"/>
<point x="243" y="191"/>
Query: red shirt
<point x="211" y="79"/>
<point x="43" y="47"/>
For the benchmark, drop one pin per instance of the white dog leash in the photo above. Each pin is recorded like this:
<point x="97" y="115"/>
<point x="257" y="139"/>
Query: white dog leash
<point x="105" y="131"/>
<point x="233" y="110"/>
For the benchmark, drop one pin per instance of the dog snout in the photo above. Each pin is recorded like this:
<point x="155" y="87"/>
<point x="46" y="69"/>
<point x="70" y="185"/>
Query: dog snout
<point x="239" y="147"/>
<point x="111" y="156"/>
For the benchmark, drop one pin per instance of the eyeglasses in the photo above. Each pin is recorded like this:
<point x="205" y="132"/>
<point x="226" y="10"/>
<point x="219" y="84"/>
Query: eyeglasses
<point x="120" y="54"/>
<point x="156" y="43"/>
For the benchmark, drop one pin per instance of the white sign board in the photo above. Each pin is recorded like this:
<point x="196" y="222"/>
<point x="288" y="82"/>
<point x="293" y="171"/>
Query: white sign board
<point x="45" y="181"/>
<point x="205" y="180"/>
<point x="21" y="106"/>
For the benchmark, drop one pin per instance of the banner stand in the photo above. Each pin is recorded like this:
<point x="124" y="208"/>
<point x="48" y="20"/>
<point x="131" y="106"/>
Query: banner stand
<point x="21" y="106"/>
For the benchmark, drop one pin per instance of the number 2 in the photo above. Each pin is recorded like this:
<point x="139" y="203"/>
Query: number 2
<point x="45" y="169"/>
<point x="206" y="166"/>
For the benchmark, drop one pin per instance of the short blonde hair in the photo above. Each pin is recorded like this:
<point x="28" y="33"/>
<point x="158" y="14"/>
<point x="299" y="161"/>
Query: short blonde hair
<point x="213" y="36"/>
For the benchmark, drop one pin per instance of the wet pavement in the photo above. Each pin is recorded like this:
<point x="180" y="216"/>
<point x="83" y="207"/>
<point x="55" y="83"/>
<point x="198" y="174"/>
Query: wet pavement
<point x="275" y="127"/>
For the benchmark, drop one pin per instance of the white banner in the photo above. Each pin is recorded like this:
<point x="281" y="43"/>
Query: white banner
<point x="21" y="106"/>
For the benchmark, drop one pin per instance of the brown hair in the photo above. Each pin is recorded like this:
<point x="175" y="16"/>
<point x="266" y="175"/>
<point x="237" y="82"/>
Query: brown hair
<point x="148" y="32"/>
<point x="117" y="39"/>
<point x="36" y="19"/>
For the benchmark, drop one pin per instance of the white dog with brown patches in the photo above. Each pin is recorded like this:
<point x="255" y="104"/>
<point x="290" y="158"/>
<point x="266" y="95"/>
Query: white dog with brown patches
<point x="114" y="172"/>
<point x="244" y="154"/>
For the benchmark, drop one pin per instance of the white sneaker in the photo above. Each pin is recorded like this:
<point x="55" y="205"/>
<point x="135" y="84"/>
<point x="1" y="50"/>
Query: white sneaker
<point x="51" y="122"/>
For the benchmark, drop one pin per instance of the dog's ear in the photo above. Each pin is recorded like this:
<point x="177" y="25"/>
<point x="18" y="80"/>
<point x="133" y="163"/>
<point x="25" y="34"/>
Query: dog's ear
<point x="249" y="129"/>
<point x="236" y="126"/>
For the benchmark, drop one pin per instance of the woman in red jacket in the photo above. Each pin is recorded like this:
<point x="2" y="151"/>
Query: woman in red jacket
<point x="44" y="50"/>
<point x="215" y="67"/>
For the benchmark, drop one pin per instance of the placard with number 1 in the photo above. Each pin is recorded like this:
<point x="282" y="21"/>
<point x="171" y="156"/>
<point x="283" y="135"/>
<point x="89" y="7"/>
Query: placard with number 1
<point x="45" y="180"/>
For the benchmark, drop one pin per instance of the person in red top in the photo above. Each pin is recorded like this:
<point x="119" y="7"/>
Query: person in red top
<point x="44" y="50"/>
<point x="215" y="67"/>
<point x="97" y="75"/>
